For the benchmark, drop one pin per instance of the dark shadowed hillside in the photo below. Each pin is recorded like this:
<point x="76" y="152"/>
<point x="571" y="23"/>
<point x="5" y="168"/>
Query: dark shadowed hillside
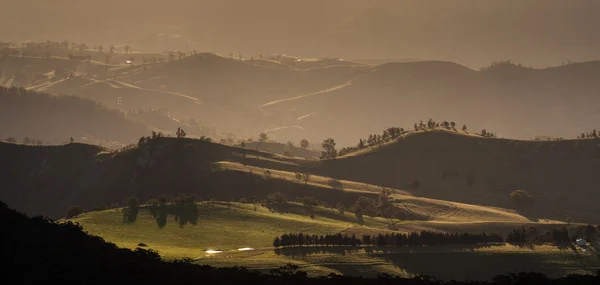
<point x="86" y="175"/>
<point x="434" y="164"/>
<point x="468" y="168"/>
<point x="57" y="119"/>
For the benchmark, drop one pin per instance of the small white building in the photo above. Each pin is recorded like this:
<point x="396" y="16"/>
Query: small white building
<point x="580" y="242"/>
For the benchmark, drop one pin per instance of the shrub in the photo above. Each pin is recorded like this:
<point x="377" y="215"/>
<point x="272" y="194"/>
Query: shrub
<point x="522" y="199"/>
<point x="74" y="211"/>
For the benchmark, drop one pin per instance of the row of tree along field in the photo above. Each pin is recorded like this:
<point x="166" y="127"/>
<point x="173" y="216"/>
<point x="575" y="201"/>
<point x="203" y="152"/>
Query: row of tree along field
<point x="423" y="238"/>
<point x="519" y="236"/>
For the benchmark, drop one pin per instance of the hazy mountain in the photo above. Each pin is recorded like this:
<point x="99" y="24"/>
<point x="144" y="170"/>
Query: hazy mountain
<point x="470" y="32"/>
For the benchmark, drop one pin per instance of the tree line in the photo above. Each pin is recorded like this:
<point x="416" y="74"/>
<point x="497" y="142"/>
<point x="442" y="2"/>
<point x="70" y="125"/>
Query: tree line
<point x="532" y="235"/>
<point x="423" y="238"/>
<point x="390" y="134"/>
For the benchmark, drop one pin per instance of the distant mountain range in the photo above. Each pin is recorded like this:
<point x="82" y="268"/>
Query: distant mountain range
<point x="471" y="32"/>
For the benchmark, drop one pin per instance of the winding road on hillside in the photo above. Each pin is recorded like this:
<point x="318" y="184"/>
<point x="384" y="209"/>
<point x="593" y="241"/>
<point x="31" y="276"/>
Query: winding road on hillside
<point x="308" y="95"/>
<point x="196" y="100"/>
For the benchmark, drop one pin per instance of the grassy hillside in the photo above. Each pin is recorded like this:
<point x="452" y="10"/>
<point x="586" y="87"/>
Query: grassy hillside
<point x="221" y="227"/>
<point x="230" y="227"/>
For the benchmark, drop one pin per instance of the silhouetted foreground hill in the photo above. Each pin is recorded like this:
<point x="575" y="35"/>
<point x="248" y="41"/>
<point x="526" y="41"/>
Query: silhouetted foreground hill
<point x="55" y="119"/>
<point x="37" y="250"/>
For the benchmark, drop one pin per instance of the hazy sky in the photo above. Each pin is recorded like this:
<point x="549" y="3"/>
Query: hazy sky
<point x="472" y="32"/>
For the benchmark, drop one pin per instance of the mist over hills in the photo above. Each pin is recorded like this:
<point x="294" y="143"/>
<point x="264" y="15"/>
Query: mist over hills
<point x="470" y="32"/>
<point x="292" y="98"/>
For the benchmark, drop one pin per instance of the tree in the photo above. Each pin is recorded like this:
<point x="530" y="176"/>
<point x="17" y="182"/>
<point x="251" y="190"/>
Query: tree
<point x="305" y="177"/>
<point x="277" y="197"/>
<point x="304" y="143"/>
<point x="73" y="211"/>
<point x="299" y="176"/>
<point x="180" y="133"/>
<point x="11" y="140"/>
<point x="340" y="208"/>
<point x="262" y="137"/>
<point x="71" y="140"/>
<point x="127" y="49"/>
<point x="522" y="199"/>
<point x="453" y="125"/>
<point x="131" y="212"/>
<point x="111" y="49"/>
<point x="464" y="128"/>
<point x="329" y="147"/>
<point x="82" y="47"/>
<point x="361" y="144"/>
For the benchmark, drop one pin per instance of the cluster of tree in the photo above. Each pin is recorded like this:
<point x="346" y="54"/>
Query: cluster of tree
<point x="374" y="140"/>
<point x="488" y="134"/>
<point x="26" y="140"/>
<point x="130" y="213"/>
<point x="423" y="238"/>
<point x="33" y="245"/>
<point x="591" y="135"/>
<point x="183" y="207"/>
<point x="300" y="239"/>
<point x="303" y="177"/>
<point x="329" y="149"/>
<point x="532" y="235"/>
<point x="432" y="124"/>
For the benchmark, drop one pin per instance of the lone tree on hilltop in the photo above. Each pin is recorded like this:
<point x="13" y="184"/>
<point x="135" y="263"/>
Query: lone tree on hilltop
<point x="180" y="133"/>
<point x="329" y="147"/>
<point x="464" y="128"/>
<point x="73" y="211"/>
<point x="262" y="137"/>
<point x="304" y="143"/>
<point x="522" y="199"/>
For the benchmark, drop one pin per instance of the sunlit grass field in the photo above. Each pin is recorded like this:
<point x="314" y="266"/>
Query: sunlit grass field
<point x="230" y="227"/>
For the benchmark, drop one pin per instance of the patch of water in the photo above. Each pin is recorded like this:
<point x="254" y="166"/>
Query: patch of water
<point x="212" y="251"/>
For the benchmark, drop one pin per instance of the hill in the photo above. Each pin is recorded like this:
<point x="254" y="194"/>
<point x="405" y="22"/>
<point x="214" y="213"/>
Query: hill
<point x="431" y="164"/>
<point x="460" y="167"/>
<point x="160" y="166"/>
<point x="57" y="119"/>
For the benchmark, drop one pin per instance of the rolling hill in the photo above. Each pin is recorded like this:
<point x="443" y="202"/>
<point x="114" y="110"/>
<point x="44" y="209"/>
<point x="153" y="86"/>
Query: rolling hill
<point x="557" y="173"/>
<point x="314" y="99"/>
<point x="447" y="165"/>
